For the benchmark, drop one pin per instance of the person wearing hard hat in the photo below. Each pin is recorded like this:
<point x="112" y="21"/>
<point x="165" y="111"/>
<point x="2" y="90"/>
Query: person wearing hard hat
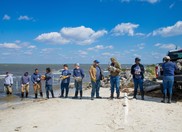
<point x="168" y="78"/>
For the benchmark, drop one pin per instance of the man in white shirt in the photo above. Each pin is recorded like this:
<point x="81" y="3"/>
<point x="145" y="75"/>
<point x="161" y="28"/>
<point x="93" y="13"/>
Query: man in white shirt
<point x="8" y="82"/>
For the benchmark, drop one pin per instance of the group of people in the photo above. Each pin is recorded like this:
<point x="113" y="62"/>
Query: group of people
<point x="96" y="75"/>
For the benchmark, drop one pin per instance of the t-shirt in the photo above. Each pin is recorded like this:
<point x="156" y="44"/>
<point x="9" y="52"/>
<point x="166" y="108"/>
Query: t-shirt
<point x="138" y="72"/>
<point x="169" y="68"/>
<point x="49" y="78"/>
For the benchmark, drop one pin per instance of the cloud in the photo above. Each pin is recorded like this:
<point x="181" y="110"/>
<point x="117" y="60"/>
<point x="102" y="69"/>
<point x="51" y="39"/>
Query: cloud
<point x="107" y="54"/>
<point x="27" y="18"/>
<point x="173" y="30"/>
<point x="81" y="52"/>
<point x="10" y="46"/>
<point x="31" y="47"/>
<point x="100" y="47"/>
<point x="149" y="1"/>
<point x="6" y="17"/>
<point x="165" y="46"/>
<point x="171" y="5"/>
<point x="28" y="53"/>
<point x="124" y="29"/>
<point x="75" y="35"/>
<point x="141" y="46"/>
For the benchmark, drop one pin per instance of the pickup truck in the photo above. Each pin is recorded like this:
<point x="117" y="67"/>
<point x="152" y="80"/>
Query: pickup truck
<point x="176" y="57"/>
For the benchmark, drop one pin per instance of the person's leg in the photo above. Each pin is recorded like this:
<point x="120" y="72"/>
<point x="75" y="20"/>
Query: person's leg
<point x="98" y="89"/>
<point x="51" y="90"/>
<point x="81" y="92"/>
<point x="40" y="89"/>
<point x="141" y="88"/>
<point x="10" y="89"/>
<point x="117" y="86"/>
<point x="27" y="90"/>
<point x="6" y="90"/>
<point x="67" y="89"/>
<point x="47" y="91"/>
<point x="112" y="80"/>
<point x="76" y="89"/>
<point x="93" y="89"/>
<point x="62" y="90"/>
<point x="22" y="91"/>
<point x="35" y="90"/>
<point x="165" y="83"/>
<point x="170" y="88"/>
<point x="135" y="87"/>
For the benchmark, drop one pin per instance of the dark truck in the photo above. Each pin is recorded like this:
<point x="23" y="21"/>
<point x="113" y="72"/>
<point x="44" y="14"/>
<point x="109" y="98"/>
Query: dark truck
<point x="176" y="57"/>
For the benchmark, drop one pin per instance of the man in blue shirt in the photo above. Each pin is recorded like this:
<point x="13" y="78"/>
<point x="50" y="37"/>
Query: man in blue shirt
<point x="36" y="79"/>
<point x="65" y="77"/>
<point x="168" y="78"/>
<point x="78" y="75"/>
<point x="49" y="82"/>
<point x="25" y="82"/>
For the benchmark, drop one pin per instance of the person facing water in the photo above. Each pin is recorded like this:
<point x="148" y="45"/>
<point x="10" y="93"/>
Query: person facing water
<point x="8" y="82"/>
<point x="168" y="78"/>
<point x="49" y="82"/>
<point x="36" y="79"/>
<point x="25" y="82"/>
<point x="96" y="76"/>
<point x="78" y="75"/>
<point x="65" y="80"/>
<point x="114" y="70"/>
<point x="137" y="70"/>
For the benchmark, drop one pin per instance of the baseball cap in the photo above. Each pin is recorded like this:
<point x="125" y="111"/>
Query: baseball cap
<point x="96" y="61"/>
<point x="77" y="64"/>
<point x="167" y="57"/>
<point x="137" y="59"/>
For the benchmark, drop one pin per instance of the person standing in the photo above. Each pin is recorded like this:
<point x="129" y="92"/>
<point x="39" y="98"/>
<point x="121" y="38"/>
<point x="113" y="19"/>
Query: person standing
<point x="8" y="82"/>
<point x="114" y="70"/>
<point x="78" y="75"/>
<point x="65" y="77"/>
<point x="96" y="76"/>
<point x="25" y="81"/>
<point x="36" y="79"/>
<point x="137" y="70"/>
<point x="49" y="82"/>
<point x="168" y="78"/>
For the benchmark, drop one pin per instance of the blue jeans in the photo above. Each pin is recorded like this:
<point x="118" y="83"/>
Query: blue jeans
<point x="95" y="88"/>
<point x="168" y="82"/>
<point x="138" y="82"/>
<point x="115" y="81"/>
<point x="48" y="87"/>
<point x="65" y="86"/>
<point x="78" y="85"/>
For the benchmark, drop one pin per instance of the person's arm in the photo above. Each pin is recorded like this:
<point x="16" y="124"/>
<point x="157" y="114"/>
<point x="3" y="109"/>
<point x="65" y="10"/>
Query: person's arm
<point x="132" y="70"/>
<point x="82" y="73"/>
<point x="118" y="68"/>
<point x="33" y="79"/>
<point x="74" y="74"/>
<point x="11" y="80"/>
<point x="91" y="75"/>
<point x="142" y="69"/>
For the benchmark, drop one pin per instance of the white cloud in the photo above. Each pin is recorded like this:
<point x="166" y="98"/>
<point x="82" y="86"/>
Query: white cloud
<point x="137" y="55"/>
<point x="76" y="35"/>
<point x="31" y="47"/>
<point x="6" y="17"/>
<point x="10" y="46"/>
<point x="107" y="54"/>
<point x="28" y="53"/>
<point x="141" y="46"/>
<point x="27" y="18"/>
<point x="149" y="1"/>
<point x="124" y="29"/>
<point x="173" y="30"/>
<point x="165" y="46"/>
<point x="81" y="52"/>
<point x="100" y="47"/>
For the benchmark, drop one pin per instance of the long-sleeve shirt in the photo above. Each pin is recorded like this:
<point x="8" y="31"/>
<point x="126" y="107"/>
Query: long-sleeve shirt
<point x="36" y="78"/>
<point x="137" y="70"/>
<point x="8" y="80"/>
<point x="49" y="78"/>
<point x="66" y="73"/>
<point x="169" y="68"/>
<point x="25" y="79"/>
<point x="78" y="73"/>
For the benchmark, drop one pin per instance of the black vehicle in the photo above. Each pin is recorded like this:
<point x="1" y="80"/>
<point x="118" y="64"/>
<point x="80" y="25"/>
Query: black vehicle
<point x="176" y="57"/>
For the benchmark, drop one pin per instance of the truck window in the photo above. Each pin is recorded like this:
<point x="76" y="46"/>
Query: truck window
<point x="175" y="55"/>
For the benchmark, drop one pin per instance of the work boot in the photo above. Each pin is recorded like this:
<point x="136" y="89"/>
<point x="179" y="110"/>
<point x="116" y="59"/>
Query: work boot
<point x="118" y="94"/>
<point x="81" y="92"/>
<point x="41" y="94"/>
<point x="112" y="96"/>
<point x="164" y="99"/>
<point x="169" y="98"/>
<point x="47" y="94"/>
<point x="27" y="95"/>
<point x="22" y="94"/>
<point x="76" y="95"/>
<point x="62" y="93"/>
<point x="36" y="96"/>
<point x="52" y="93"/>
<point x="142" y="95"/>
<point x="135" y="93"/>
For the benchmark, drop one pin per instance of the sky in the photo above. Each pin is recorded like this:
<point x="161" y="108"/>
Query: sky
<point x="80" y="31"/>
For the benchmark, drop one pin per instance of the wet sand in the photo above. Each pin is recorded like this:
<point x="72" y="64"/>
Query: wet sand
<point x="100" y="115"/>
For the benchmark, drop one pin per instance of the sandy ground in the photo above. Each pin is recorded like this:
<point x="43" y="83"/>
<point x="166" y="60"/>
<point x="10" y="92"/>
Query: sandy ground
<point x="100" y="115"/>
